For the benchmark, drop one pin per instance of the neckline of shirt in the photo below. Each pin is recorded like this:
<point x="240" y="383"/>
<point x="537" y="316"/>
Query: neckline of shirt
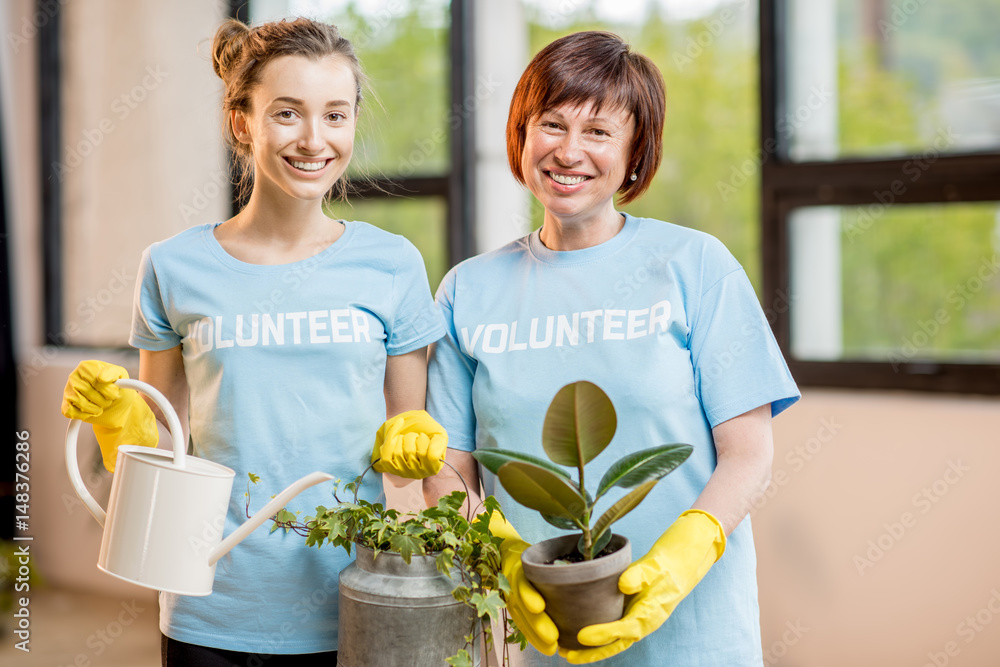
<point x="216" y="249"/>
<point x="583" y="255"/>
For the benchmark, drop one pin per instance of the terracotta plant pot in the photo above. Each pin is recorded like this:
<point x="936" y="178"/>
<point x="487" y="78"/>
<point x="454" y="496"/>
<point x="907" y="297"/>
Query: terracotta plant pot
<point x="578" y="594"/>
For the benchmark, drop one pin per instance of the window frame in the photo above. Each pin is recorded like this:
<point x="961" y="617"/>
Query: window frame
<point x="457" y="185"/>
<point x="788" y="185"/>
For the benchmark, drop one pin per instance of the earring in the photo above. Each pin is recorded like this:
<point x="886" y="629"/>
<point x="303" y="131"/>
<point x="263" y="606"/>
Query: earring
<point x="632" y="177"/>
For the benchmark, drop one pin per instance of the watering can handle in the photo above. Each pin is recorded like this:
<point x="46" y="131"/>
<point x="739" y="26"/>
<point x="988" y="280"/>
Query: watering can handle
<point x="464" y="483"/>
<point x="73" y="432"/>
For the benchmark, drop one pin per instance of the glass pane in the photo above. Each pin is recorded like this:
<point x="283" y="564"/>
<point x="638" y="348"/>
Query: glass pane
<point x="403" y="47"/>
<point x="879" y="78"/>
<point x="421" y="220"/>
<point x="707" y="52"/>
<point x="897" y="284"/>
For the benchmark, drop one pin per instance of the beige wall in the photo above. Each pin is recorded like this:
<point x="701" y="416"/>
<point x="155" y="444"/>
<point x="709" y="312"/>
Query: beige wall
<point x="878" y="538"/>
<point x="142" y="153"/>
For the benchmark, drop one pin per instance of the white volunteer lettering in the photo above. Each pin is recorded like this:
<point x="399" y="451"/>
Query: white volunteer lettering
<point x="567" y="331"/>
<point x="274" y="329"/>
<point x="515" y="347"/>
<point x="362" y="326"/>
<point x="590" y="316"/>
<point x="614" y="319"/>
<point x="561" y="330"/>
<point x="533" y="334"/>
<point x="296" y="319"/>
<point x="240" y="339"/>
<point x="340" y="321"/>
<point x="314" y="327"/>
<point x="488" y="346"/>
<point x="634" y="323"/>
<point x="220" y="342"/>
<point x="663" y="318"/>
<point x="470" y="345"/>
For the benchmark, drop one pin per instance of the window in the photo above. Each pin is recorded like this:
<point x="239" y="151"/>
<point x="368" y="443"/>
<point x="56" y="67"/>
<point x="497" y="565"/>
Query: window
<point x="881" y="191"/>
<point x="109" y="104"/>
<point x="411" y="173"/>
<point x="706" y="51"/>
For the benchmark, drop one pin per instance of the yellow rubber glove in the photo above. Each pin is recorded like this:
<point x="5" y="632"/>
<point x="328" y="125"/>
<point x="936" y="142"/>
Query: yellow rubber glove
<point x="525" y="604"/>
<point x="119" y="416"/>
<point x="658" y="582"/>
<point x="411" y="445"/>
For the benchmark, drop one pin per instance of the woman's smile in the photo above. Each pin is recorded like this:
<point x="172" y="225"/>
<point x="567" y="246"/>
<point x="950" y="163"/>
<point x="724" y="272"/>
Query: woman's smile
<point x="311" y="166"/>
<point x="567" y="179"/>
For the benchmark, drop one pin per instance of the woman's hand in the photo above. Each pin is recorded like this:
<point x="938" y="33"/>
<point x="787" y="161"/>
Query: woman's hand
<point x="119" y="416"/>
<point x="657" y="583"/>
<point x="525" y="604"/>
<point x="410" y="445"/>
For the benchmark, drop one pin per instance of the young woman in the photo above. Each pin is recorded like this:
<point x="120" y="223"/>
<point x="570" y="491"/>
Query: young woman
<point x="661" y="317"/>
<point x="283" y="338"/>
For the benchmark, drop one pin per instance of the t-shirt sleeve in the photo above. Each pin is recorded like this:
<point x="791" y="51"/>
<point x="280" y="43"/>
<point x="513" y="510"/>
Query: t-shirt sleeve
<point x="450" y="373"/>
<point x="737" y="363"/>
<point x="151" y="328"/>
<point x="416" y="321"/>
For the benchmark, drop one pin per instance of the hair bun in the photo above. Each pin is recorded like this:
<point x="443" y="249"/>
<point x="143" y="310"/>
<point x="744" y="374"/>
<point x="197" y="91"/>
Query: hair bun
<point x="227" y="45"/>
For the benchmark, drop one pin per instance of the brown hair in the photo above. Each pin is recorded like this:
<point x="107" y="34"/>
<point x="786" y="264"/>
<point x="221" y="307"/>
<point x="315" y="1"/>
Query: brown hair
<point x="239" y="54"/>
<point x="601" y="68"/>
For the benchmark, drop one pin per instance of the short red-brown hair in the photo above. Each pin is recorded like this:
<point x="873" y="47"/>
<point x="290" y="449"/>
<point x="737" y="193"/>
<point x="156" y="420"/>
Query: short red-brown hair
<point x="600" y="68"/>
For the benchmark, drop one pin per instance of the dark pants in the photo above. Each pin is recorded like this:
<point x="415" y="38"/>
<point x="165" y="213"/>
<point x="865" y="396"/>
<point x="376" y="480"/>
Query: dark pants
<point x="178" y="654"/>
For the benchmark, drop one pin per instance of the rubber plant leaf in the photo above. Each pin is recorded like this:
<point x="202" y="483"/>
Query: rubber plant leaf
<point x="492" y="459"/>
<point x="640" y="467"/>
<point x="562" y="524"/>
<point x="620" y="509"/>
<point x="579" y="424"/>
<point x="540" y="489"/>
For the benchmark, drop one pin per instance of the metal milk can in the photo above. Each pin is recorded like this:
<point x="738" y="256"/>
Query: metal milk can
<point x="392" y="613"/>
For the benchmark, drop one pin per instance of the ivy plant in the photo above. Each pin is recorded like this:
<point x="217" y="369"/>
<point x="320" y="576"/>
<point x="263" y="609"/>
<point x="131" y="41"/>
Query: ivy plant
<point x="460" y="547"/>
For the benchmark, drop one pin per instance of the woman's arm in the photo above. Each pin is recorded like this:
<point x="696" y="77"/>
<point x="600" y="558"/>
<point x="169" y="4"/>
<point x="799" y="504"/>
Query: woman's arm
<point x="745" y="448"/>
<point x="406" y="389"/>
<point x="447" y="480"/>
<point x="405" y="382"/>
<point x="165" y="371"/>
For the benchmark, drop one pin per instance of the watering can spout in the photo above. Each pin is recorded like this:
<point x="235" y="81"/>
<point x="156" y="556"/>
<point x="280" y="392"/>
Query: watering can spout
<point x="265" y="513"/>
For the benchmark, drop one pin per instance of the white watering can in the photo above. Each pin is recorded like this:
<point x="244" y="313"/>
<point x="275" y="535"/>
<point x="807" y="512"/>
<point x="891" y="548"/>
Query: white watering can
<point x="166" y="513"/>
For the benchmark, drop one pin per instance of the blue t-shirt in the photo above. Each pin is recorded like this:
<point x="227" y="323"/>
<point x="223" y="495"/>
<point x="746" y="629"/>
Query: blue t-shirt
<point x="664" y="320"/>
<point x="285" y="367"/>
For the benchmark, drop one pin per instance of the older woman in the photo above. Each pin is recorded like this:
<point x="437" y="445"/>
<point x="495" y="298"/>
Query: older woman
<point x="662" y="317"/>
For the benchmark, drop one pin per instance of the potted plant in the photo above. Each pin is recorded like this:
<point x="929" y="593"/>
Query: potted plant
<point x="578" y="574"/>
<point x="410" y="562"/>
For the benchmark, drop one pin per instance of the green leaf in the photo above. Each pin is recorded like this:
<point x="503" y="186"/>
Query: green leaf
<point x="560" y="523"/>
<point x="579" y="424"/>
<point x="621" y="508"/>
<point x="406" y="546"/>
<point x="492" y="459"/>
<point x="460" y="659"/>
<point x="253" y="478"/>
<point x="639" y="467"/>
<point x="444" y="563"/>
<point x="284" y="516"/>
<point x="539" y="489"/>
<point x="600" y="541"/>
<point x="488" y="605"/>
